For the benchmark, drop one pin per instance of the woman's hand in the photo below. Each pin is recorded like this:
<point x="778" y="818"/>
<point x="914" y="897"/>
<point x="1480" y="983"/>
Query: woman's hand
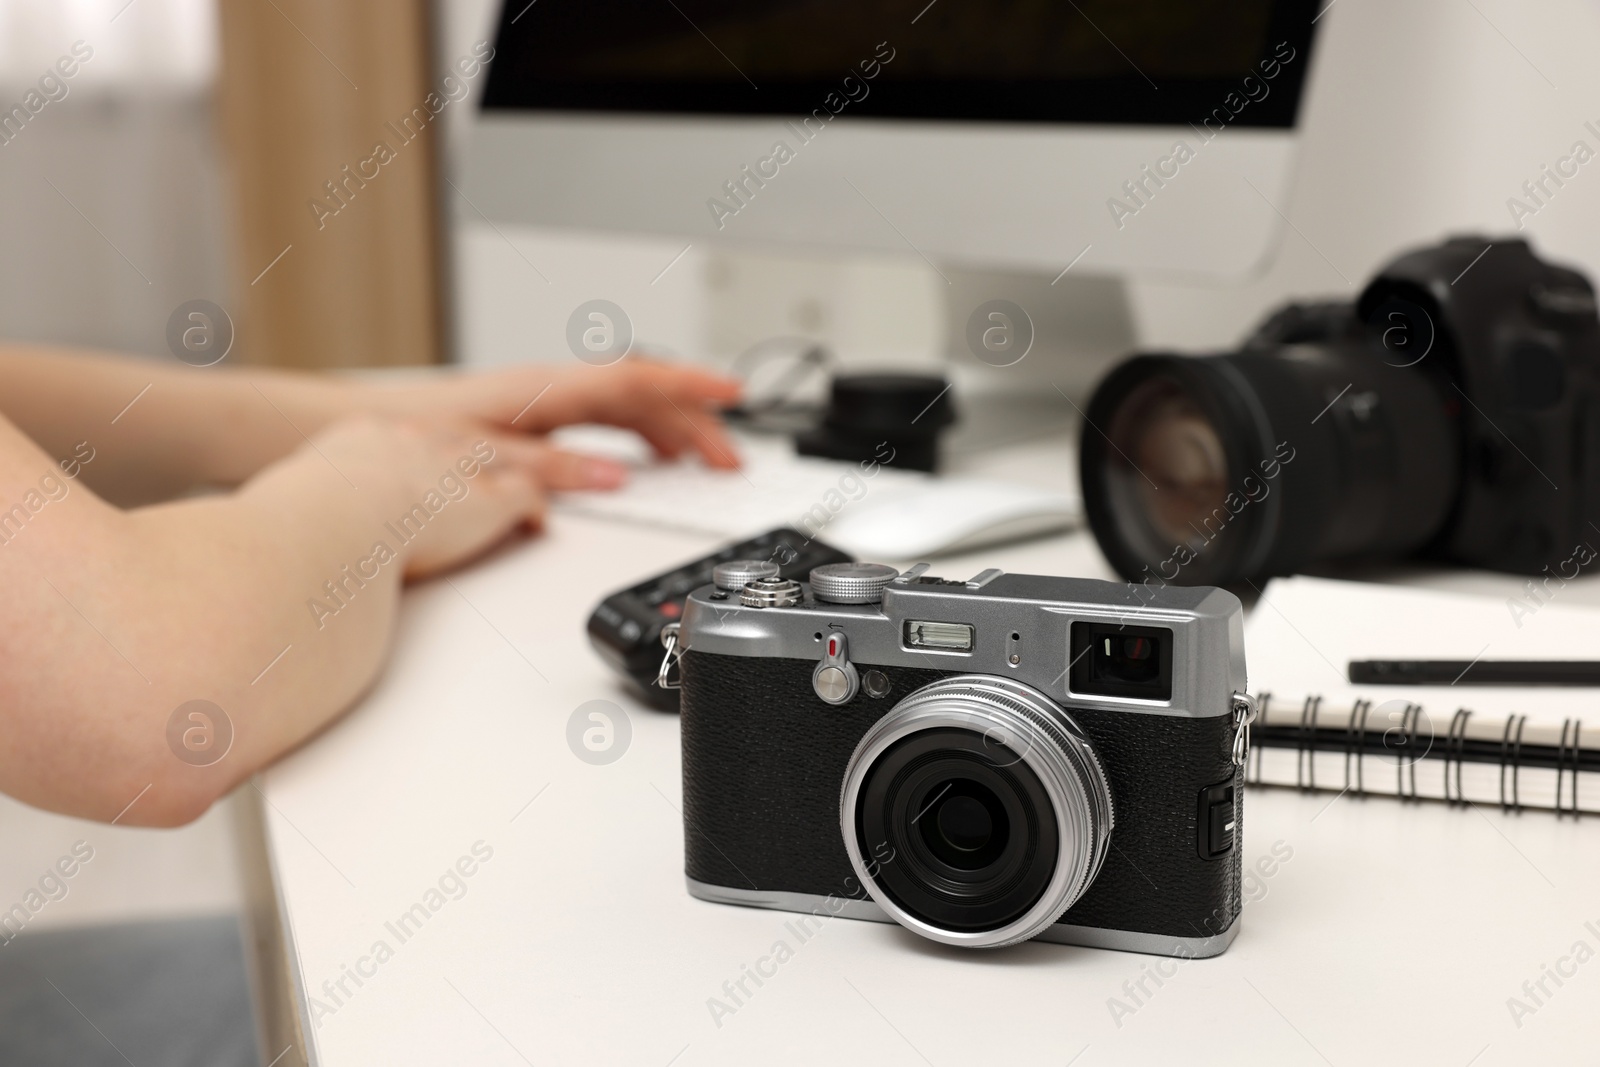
<point x="673" y="407"/>
<point x="162" y="432"/>
<point x="276" y="604"/>
<point x="453" y="489"/>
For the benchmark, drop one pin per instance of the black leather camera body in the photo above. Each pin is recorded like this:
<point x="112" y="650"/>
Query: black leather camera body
<point x="983" y="761"/>
<point x="1516" y="361"/>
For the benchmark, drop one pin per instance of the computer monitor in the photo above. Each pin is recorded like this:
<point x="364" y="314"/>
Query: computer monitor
<point x="1058" y="144"/>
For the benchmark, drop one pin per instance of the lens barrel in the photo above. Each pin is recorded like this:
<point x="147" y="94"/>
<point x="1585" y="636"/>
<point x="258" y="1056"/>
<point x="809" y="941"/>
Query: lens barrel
<point x="1215" y="470"/>
<point x="975" y="812"/>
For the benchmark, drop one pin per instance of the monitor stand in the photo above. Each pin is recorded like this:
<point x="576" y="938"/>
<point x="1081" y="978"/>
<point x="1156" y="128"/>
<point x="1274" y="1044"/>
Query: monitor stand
<point x="906" y="314"/>
<point x="1075" y="328"/>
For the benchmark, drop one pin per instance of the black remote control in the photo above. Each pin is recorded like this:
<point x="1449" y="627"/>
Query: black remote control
<point x="626" y="628"/>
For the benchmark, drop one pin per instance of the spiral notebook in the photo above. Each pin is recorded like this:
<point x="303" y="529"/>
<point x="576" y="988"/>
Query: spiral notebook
<point x="1511" y="747"/>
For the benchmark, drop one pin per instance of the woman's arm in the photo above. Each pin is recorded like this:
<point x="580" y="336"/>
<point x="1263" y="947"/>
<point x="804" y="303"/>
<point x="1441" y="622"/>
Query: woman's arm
<point x="158" y="430"/>
<point x="275" y="603"/>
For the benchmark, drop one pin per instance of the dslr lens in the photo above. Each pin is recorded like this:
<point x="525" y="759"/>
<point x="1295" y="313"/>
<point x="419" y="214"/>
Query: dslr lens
<point x="1177" y="445"/>
<point x="1207" y="471"/>
<point x="984" y="809"/>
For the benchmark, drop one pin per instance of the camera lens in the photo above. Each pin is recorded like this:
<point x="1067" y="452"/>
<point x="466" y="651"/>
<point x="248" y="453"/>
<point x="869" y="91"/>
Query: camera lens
<point x="965" y="825"/>
<point x="1173" y="441"/>
<point x="1208" y="471"/>
<point x="982" y="809"/>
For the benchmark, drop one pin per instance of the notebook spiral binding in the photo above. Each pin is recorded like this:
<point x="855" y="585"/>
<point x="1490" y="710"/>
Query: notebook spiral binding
<point x="1480" y="759"/>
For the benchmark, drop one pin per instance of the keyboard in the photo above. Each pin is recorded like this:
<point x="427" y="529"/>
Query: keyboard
<point x="775" y="487"/>
<point x="872" y="512"/>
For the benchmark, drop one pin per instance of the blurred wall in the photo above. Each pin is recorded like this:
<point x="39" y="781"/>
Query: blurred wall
<point x="112" y="212"/>
<point x="183" y="154"/>
<point x="1423" y="118"/>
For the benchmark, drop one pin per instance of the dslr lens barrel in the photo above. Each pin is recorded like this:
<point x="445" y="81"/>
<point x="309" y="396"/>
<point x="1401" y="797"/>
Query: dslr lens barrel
<point x="1214" y="470"/>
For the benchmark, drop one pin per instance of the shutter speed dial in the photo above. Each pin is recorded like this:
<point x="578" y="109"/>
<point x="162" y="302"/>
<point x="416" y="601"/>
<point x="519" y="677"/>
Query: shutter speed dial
<point x="835" y="679"/>
<point x="851" y="583"/>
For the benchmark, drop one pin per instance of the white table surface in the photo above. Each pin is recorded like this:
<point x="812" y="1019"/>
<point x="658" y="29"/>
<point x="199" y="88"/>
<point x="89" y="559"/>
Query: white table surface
<point x="1394" y="934"/>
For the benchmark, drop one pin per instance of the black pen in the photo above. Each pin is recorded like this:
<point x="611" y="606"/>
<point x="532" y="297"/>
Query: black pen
<point x="1571" y="672"/>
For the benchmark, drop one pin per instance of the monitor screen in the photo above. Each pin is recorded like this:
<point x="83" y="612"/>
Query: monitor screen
<point x="1166" y="62"/>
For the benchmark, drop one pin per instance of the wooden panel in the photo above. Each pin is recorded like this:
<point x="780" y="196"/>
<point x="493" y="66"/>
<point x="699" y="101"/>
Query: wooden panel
<point x="332" y="170"/>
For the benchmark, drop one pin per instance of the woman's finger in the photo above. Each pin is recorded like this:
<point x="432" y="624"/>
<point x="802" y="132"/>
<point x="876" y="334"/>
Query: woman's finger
<point x="673" y="407"/>
<point x="559" y="469"/>
<point x="523" y="495"/>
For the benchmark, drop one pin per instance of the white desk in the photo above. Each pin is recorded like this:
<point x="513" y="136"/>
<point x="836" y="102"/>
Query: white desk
<point x="1394" y="934"/>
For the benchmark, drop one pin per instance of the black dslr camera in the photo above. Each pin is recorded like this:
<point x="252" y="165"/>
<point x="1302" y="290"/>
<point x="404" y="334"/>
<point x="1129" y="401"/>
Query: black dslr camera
<point x="1453" y="412"/>
<point x="982" y="761"/>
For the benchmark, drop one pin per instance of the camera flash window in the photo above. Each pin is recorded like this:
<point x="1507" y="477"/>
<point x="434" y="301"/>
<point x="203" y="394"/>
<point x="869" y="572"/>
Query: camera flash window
<point x="939" y="636"/>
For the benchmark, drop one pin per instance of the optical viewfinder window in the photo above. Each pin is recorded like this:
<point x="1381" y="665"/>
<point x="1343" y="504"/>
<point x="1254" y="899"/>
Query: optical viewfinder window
<point x="1121" y="661"/>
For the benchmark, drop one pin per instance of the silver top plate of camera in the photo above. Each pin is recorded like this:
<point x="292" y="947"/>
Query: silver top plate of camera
<point x="1016" y="626"/>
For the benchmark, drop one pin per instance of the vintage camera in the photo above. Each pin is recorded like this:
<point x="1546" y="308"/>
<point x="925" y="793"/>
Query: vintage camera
<point x="1452" y="412"/>
<point x="982" y="761"/>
